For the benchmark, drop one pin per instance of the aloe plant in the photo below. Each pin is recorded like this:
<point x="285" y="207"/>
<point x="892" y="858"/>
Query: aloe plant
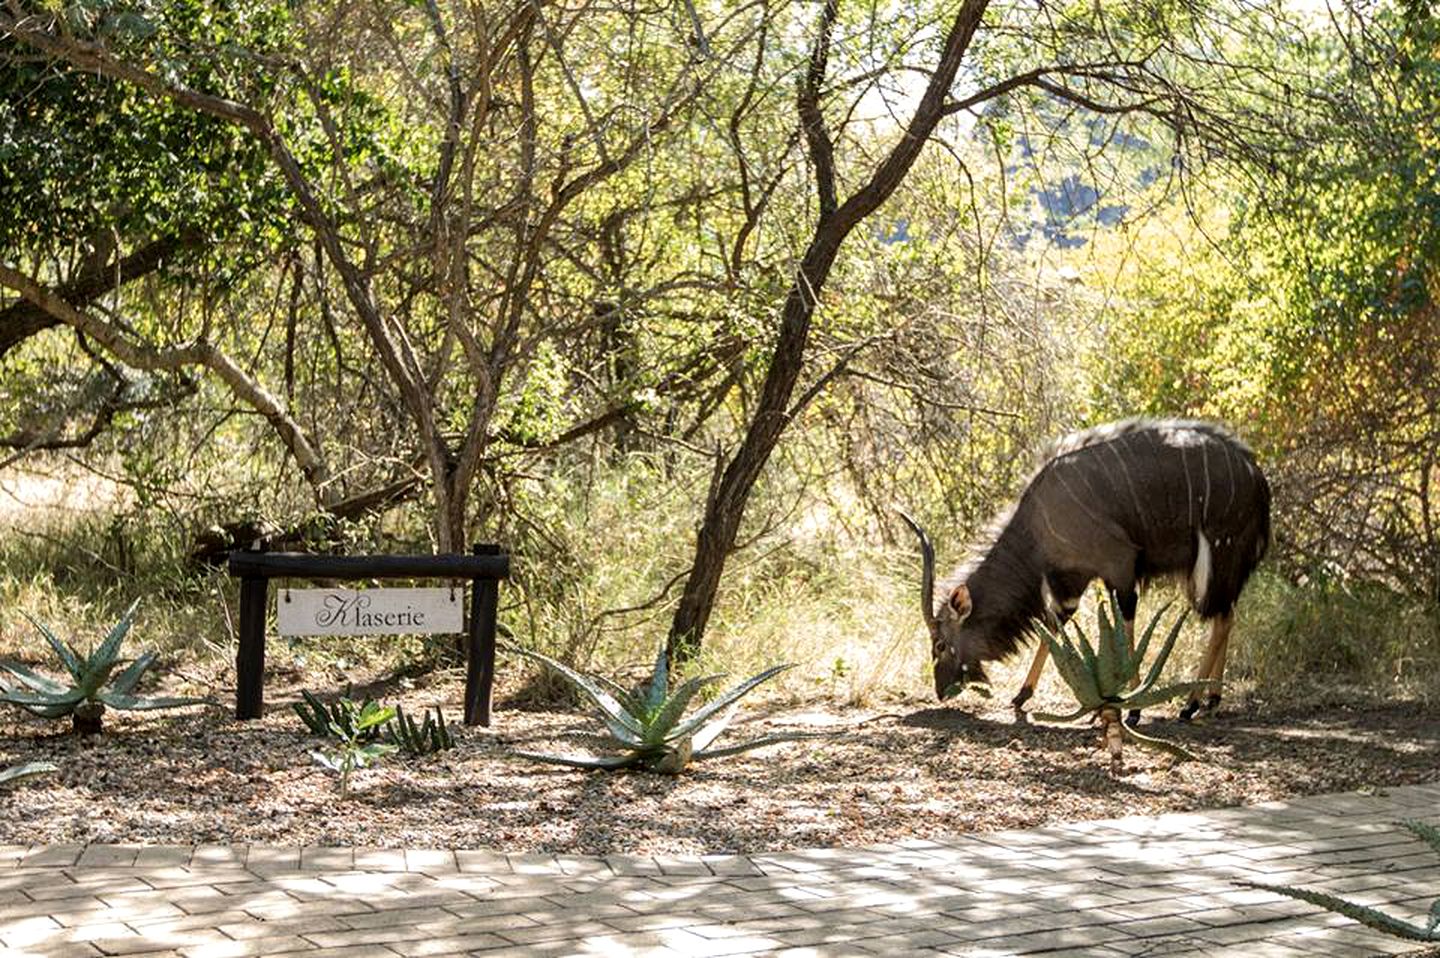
<point x="1371" y="917"/>
<point x="1105" y="677"/>
<point x="342" y="713"/>
<point x="429" y="736"/>
<point x="353" y="750"/>
<point x="649" y="724"/>
<point x="18" y="773"/>
<point x="86" y="696"/>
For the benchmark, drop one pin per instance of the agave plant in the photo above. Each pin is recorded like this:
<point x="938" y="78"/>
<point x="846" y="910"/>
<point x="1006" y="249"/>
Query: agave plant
<point x="1105" y="677"/>
<point x="18" y="773"/>
<point x="1371" y="917"/>
<point x="85" y="697"/>
<point x="650" y="725"/>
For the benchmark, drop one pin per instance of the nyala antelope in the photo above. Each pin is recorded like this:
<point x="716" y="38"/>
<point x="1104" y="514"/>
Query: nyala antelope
<point x="1125" y="503"/>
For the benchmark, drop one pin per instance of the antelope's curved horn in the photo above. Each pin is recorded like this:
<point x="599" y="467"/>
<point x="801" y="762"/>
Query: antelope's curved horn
<point x="927" y="571"/>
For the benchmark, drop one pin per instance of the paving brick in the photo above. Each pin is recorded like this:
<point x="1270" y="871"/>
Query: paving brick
<point x="52" y="856"/>
<point x="431" y="861"/>
<point x="249" y="948"/>
<point x="163" y="855"/>
<point x="442" y="946"/>
<point x="1167" y="886"/>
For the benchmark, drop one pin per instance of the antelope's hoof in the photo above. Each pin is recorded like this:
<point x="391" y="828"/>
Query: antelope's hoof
<point x="1213" y="702"/>
<point x="1132" y="718"/>
<point x="1021" y="697"/>
<point x="1188" y="712"/>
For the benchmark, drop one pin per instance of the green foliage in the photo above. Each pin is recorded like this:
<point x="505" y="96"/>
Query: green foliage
<point x="87" y="694"/>
<point x="86" y="159"/>
<point x="345" y="720"/>
<point x="18" y="773"/>
<point x="426" y="738"/>
<point x="342" y="714"/>
<point x="1105" y="676"/>
<point x="1304" y="306"/>
<point x="649" y="724"/>
<point x="1373" y="917"/>
<point x="356" y="746"/>
<point x="1330" y="628"/>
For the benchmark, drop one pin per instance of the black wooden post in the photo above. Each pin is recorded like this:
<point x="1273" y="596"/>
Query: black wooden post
<point x="480" y="644"/>
<point x="250" y="657"/>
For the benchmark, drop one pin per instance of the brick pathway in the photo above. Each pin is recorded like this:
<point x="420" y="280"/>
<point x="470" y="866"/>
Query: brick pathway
<point x="1130" y="886"/>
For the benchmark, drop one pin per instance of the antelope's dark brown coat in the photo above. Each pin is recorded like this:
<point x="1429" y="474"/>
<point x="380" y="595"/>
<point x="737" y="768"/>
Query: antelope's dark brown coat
<point x="1124" y="503"/>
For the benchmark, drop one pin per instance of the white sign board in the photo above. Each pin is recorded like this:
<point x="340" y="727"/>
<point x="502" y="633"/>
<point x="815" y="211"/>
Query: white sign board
<point x="369" y="611"/>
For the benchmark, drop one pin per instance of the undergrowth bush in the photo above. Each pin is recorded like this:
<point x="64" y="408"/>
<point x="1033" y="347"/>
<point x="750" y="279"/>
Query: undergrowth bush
<point x="600" y="548"/>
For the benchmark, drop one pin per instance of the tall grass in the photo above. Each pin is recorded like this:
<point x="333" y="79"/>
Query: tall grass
<point x="597" y="557"/>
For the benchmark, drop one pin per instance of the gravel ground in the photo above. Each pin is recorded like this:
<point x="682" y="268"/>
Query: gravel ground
<point x="913" y="770"/>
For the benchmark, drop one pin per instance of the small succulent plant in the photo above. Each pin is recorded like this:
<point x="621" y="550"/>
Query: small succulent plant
<point x="340" y="720"/>
<point x="86" y="696"/>
<point x="1105" y="677"/>
<point x="356" y="747"/>
<point x="649" y="724"/>
<point x="341" y="714"/>
<point x="424" y="738"/>
<point x="18" y="773"/>
<point x="1371" y="917"/>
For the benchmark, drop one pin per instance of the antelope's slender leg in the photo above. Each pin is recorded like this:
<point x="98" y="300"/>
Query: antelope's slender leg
<point x="1212" y="667"/>
<point x="1129" y="602"/>
<point x="1217" y="666"/>
<point x="1033" y="676"/>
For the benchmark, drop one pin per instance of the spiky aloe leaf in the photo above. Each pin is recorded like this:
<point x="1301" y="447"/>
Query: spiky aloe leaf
<point x="622" y="724"/>
<point x="104" y="659"/>
<point x="17" y="773"/>
<point x="63" y="652"/>
<point x="1116" y="667"/>
<point x="764" y="740"/>
<point x="1081" y="712"/>
<point x="441" y="735"/>
<point x="1092" y="661"/>
<point x="1164" y="654"/>
<point x="659" y="683"/>
<point x="631" y="702"/>
<point x="34" y="680"/>
<point x="661" y="725"/>
<point x="689" y="726"/>
<point x="45" y="706"/>
<point x="137" y="703"/>
<point x="1074" y="669"/>
<point x="586" y="761"/>
<point x="313" y="713"/>
<point x="711" y="730"/>
<point x="1147" y="697"/>
<point x="1428" y="834"/>
<point x="1144" y="644"/>
<point x="96" y="677"/>
<point x="1160" y="744"/>
<point x="1369" y="917"/>
<point x="126" y="681"/>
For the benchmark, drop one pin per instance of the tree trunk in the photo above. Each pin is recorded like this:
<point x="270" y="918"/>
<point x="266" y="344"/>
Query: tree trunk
<point x="726" y="504"/>
<point x="725" y="507"/>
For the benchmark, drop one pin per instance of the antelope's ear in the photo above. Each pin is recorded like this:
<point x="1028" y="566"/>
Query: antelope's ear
<point x="959" y="601"/>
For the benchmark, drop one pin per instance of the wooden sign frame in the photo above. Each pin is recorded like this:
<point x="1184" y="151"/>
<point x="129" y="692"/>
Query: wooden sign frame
<point x="484" y="567"/>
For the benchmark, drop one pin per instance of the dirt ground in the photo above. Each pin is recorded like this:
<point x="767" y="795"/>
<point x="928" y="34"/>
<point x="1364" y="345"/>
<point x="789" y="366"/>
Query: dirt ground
<point x="913" y="769"/>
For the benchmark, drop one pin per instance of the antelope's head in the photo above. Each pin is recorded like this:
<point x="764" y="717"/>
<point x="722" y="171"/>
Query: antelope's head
<point x="955" y="652"/>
